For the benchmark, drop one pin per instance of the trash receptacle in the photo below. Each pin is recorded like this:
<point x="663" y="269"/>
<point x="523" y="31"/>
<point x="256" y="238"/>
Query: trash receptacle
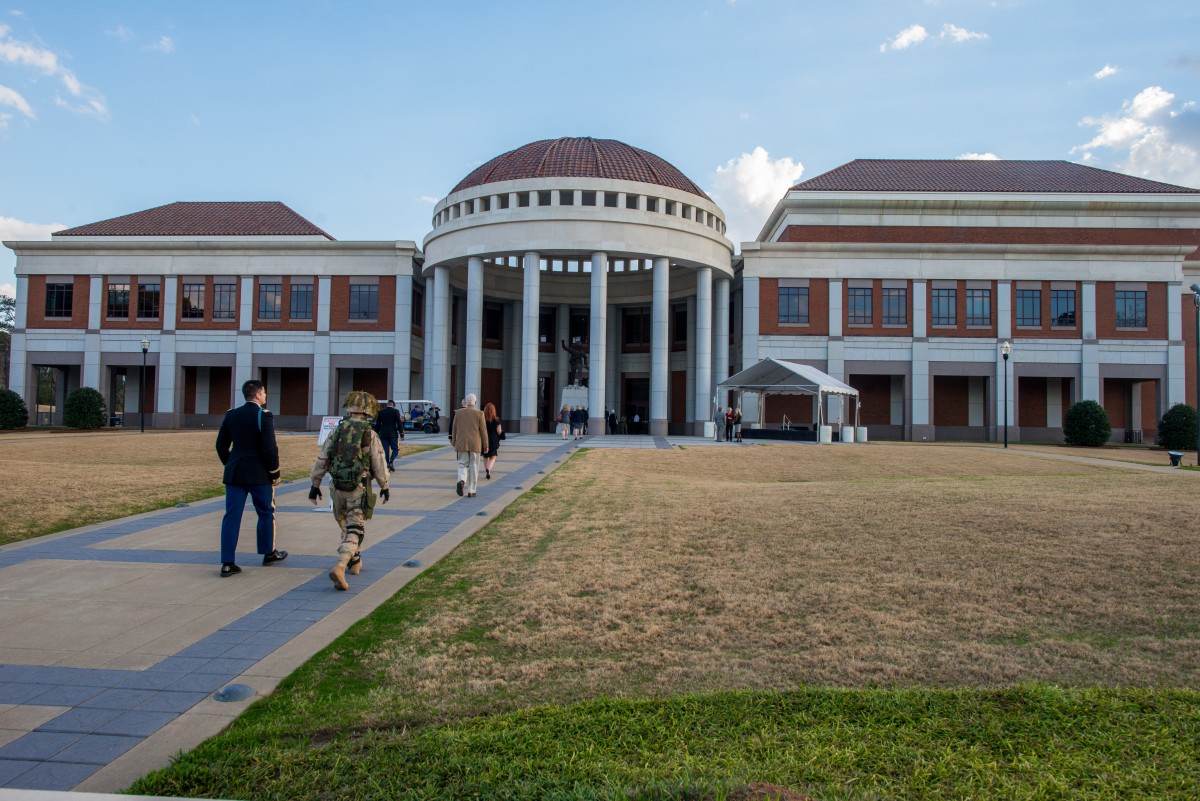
<point x="1176" y="457"/>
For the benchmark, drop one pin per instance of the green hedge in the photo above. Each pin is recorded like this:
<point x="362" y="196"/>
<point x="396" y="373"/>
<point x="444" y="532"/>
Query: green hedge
<point x="85" y="408"/>
<point x="1087" y="424"/>
<point x="1177" y="429"/>
<point x="13" y="413"/>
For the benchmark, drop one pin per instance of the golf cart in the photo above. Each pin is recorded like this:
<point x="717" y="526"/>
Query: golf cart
<point x="420" y="415"/>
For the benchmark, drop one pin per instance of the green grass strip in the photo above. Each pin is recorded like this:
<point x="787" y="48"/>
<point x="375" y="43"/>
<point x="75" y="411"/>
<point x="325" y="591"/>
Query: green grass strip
<point x="1023" y="742"/>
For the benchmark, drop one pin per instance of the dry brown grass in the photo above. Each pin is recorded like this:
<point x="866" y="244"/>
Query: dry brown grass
<point x="55" y="480"/>
<point x="652" y="572"/>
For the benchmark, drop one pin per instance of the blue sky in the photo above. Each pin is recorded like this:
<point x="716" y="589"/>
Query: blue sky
<point x="360" y="115"/>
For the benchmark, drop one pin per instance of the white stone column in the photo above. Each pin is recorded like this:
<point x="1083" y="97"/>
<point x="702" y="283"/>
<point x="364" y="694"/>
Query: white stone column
<point x="530" y="316"/>
<point x="704" y="312"/>
<point x="244" y="363"/>
<point x="750" y="321"/>
<point x="164" y="409"/>
<point x="1089" y="367"/>
<point x="91" y="337"/>
<point x="427" y="379"/>
<point x="440" y="368"/>
<point x="1176" y="387"/>
<point x="322" y="379"/>
<point x="597" y="352"/>
<point x="474" y="338"/>
<point x="402" y="346"/>
<point x="18" y="379"/>
<point x="720" y="338"/>
<point x="690" y="381"/>
<point x="1004" y="298"/>
<point x="659" y="347"/>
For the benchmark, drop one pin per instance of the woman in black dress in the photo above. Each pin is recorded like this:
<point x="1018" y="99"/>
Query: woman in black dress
<point x="495" y="432"/>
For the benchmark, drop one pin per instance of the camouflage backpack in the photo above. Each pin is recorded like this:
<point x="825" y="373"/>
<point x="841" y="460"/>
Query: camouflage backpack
<point x="349" y="454"/>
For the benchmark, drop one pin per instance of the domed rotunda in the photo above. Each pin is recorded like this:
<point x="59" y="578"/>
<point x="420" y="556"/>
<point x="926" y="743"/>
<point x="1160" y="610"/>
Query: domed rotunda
<point x="583" y="272"/>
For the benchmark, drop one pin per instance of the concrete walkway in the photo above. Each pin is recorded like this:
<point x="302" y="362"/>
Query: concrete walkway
<point x="115" y="638"/>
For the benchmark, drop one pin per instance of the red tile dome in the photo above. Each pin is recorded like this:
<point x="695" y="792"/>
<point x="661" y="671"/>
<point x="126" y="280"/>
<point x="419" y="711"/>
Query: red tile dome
<point x="580" y="157"/>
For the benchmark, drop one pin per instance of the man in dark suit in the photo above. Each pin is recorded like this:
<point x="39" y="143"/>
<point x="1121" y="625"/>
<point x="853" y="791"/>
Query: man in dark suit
<point x="390" y="428"/>
<point x="246" y="446"/>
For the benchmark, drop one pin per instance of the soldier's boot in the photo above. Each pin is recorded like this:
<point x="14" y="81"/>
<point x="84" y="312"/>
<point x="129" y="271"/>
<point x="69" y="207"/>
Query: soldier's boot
<point x="355" y="564"/>
<point x="338" y="574"/>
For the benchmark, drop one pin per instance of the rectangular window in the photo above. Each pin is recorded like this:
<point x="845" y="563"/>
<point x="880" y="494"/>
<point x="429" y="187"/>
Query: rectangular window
<point x="610" y="200"/>
<point x="566" y="197"/>
<point x="793" y="304"/>
<point x="149" y="296"/>
<point x="1062" y="308"/>
<point x="192" y="302"/>
<point x="60" y="299"/>
<point x="588" y="198"/>
<point x="502" y="201"/>
<point x="859" y="306"/>
<point x="270" y="301"/>
<point x="118" y="302"/>
<point x="635" y="327"/>
<point x="945" y="307"/>
<point x="631" y="201"/>
<point x="547" y="320"/>
<point x="979" y="307"/>
<point x="679" y="327"/>
<point x="418" y="307"/>
<point x="364" y="301"/>
<point x="895" y="306"/>
<point x="1131" y="309"/>
<point x="301" y="305"/>
<point x="1029" y="308"/>
<point x="544" y="197"/>
<point x="651" y="204"/>
<point x="669" y="208"/>
<point x="486" y="204"/>
<point x="493" y="322"/>
<point x="224" y="301"/>
<point x="522" y="199"/>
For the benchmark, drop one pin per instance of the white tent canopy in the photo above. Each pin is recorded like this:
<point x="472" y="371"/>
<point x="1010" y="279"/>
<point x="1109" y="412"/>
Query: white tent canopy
<point x="775" y="377"/>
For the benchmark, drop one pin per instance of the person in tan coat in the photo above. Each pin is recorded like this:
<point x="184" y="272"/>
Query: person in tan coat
<point x="468" y="432"/>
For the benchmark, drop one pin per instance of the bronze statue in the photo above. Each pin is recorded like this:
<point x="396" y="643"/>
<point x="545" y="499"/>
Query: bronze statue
<point x="578" y="359"/>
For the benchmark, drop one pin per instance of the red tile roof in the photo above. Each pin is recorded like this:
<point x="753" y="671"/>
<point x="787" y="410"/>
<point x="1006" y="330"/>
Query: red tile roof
<point x="580" y="157"/>
<point x="257" y="218"/>
<point x="964" y="175"/>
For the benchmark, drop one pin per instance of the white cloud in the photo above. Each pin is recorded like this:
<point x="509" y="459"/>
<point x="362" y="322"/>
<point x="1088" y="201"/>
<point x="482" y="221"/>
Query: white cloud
<point x="165" y="44"/>
<point x="428" y="199"/>
<point x="977" y="157"/>
<point x="913" y="34"/>
<point x="120" y="32"/>
<point x="1149" y="138"/>
<point x="1105" y="71"/>
<point x="748" y="187"/>
<point x="10" y="97"/>
<point x="19" y="230"/>
<point x="8" y="289"/>
<point x="957" y="34"/>
<point x="23" y="54"/>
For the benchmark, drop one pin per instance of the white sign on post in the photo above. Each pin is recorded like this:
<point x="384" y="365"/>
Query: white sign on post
<point x="327" y="426"/>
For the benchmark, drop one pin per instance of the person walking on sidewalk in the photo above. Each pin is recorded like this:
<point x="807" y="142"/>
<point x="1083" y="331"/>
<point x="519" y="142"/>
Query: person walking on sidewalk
<point x="468" y="432"/>
<point x="351" y="456"/>
<point x="390" y="428"/>
<point x="495" y="433"/>
<point x="246" y="446"/>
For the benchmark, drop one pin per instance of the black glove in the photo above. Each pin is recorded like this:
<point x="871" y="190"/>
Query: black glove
<point x="386" y="495"/>
<point x="314" y="494"/>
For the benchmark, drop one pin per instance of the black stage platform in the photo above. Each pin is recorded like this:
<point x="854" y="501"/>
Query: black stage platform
<point x="795" y="435"/>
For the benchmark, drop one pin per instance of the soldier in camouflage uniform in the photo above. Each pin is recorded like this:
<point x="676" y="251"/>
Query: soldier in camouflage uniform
<point x="351" y="507"/>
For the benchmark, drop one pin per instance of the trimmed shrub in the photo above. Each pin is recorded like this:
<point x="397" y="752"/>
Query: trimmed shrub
<point x="13" y="413"/>
<point x="1087" y="424"/>
<point x="85" y="408"/>
<point x="1177" y="429"/>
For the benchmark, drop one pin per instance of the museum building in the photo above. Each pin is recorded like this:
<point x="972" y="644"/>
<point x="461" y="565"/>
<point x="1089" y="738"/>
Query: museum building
<point x="902" y="278"/>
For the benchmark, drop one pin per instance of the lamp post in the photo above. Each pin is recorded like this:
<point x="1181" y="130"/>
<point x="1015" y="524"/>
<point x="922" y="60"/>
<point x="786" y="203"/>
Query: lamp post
<point x="1005" y="350"/>
<point x="142" y="384"/>
<point x="1196" y="299"/>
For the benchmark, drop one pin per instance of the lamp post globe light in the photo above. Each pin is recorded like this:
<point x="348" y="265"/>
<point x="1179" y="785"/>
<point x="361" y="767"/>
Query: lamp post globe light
<point x="1005" y="350"/>
<point x="1196" y="299"/>
<point x="142" y="384"/>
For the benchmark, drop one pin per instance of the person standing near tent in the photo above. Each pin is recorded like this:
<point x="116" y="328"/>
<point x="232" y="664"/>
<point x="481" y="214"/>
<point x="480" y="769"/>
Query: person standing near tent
<point x="729" y="424"/>
<point x="737" y="424"/>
